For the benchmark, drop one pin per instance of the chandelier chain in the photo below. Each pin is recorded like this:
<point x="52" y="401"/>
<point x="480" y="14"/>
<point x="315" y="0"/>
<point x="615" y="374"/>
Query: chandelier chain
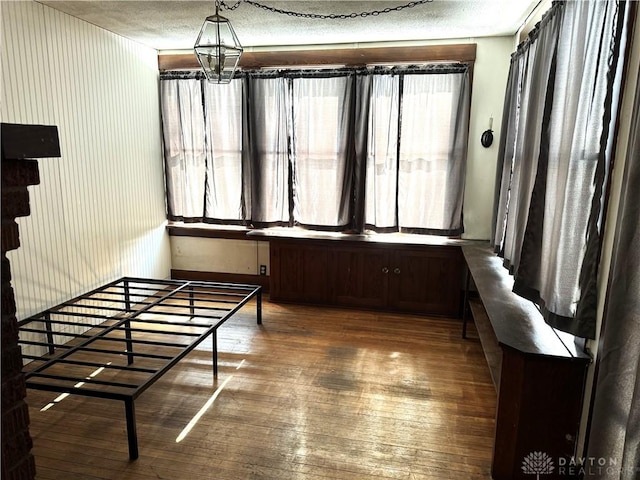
<point x="319" y="16"/>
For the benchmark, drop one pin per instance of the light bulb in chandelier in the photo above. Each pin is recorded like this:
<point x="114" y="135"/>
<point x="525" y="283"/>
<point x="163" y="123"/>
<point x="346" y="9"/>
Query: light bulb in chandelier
<point x="215" y="64"/>
<point x="218" y="49"/>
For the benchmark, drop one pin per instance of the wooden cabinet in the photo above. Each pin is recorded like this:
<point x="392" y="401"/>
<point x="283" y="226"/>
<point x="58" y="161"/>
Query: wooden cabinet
<point x="302" y="273"/>
<point x="411" y="278"/>
<point x="542" y="375"/>
<point x="539" y="409"/>
<point x="360" y="276"/>
<point x="427" y="280"/>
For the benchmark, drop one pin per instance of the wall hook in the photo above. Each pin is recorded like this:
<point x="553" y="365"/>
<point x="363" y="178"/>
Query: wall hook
<point x="487" y="136"/>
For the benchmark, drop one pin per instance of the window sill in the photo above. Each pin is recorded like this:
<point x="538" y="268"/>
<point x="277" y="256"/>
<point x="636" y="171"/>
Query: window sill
<point x="203" y="230"/>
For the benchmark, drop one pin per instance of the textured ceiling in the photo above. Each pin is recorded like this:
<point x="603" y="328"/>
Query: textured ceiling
<point x="174" y="25"/>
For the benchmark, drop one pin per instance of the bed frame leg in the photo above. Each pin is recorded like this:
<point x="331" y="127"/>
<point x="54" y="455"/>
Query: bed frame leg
<point x="132" y="435"/>
<point x="465" y="304"/>
<point x="259" y="307"/>
<point x="127" y="297"/>
<point x="127" y="334"/>
<point x="47" y="322"/>
<point x="127" y="325"/>
<point x="192" y="302"/>
<point x="214" y="348"/>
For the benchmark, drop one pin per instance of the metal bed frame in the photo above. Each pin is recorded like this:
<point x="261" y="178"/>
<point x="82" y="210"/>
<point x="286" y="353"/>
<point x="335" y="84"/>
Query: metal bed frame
<point x="175" y="316"/>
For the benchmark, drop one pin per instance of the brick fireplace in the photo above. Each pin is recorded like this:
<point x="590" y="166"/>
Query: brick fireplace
<point x="20" y="145"/>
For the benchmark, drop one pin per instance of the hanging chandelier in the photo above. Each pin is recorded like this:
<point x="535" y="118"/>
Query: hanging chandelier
<point x="218" y="49"/>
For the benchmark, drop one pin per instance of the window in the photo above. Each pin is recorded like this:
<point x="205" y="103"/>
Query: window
<point x="561" y="109"/>
<point x="223" y="127"/>
<point x="344" y="149"/>
<point x="382" y="158"/>
<point x="265" y="160"/>
<point x="184" y="148"/>
<point x="321" y="111"/>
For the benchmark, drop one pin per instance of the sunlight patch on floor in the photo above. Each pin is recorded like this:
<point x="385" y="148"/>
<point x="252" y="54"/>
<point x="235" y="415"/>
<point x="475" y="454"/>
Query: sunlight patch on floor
<point x="196" y="418"/>
<point x="62" y="396"/>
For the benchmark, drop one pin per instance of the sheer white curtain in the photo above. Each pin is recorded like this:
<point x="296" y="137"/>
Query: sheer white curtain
<point x="382" y="160"/>
<point x="433" y="148"/>
<point x="586" y="76"/>
<point x="184" y="148"/>
<point x="509" y="129"/>
<point x="202" y="131"/>
<point x="418" y="132"/>
<point x="322" y="150"/>
<point x="223" y="123"/>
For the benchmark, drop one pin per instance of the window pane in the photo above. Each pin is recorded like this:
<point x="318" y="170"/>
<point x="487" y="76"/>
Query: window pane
<point x="322" y="181"/>
<point x="184" y="144"/>
<point x="266" y="159"/>
<point x="223" y="107"/>
<point x="382" y="158"/>
<point x="431" y="167"/>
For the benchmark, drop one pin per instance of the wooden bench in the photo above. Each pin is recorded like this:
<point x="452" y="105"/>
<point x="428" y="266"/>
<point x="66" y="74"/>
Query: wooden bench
<point x="539" y="373"/>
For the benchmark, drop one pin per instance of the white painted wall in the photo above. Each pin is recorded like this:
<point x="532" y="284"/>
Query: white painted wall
<point x="219" y="255"/>
<point x="491" y="70"/>
<point x="98" y="213"/>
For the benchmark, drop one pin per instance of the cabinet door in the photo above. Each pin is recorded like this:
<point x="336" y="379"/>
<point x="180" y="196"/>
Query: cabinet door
<point x="299" y="272"/>
<point x="426" y="280"/>
<point x="360" y="277"/>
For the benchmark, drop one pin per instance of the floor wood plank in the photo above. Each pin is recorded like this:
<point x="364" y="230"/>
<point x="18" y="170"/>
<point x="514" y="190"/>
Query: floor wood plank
<point x="313" y="393"/>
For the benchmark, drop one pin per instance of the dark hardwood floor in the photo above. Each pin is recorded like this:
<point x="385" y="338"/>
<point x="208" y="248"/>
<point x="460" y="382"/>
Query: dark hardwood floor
<point x="313" y="393"/>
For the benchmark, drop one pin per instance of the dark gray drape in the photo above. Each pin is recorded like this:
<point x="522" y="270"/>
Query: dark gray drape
<point x="505" y="149"/>
<point x="361" y="137"/>
<point x="534" y="71"/>
<point x="615" y="429"/>
<point x="265" y="152"/>
<point x="549" y="210"/>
